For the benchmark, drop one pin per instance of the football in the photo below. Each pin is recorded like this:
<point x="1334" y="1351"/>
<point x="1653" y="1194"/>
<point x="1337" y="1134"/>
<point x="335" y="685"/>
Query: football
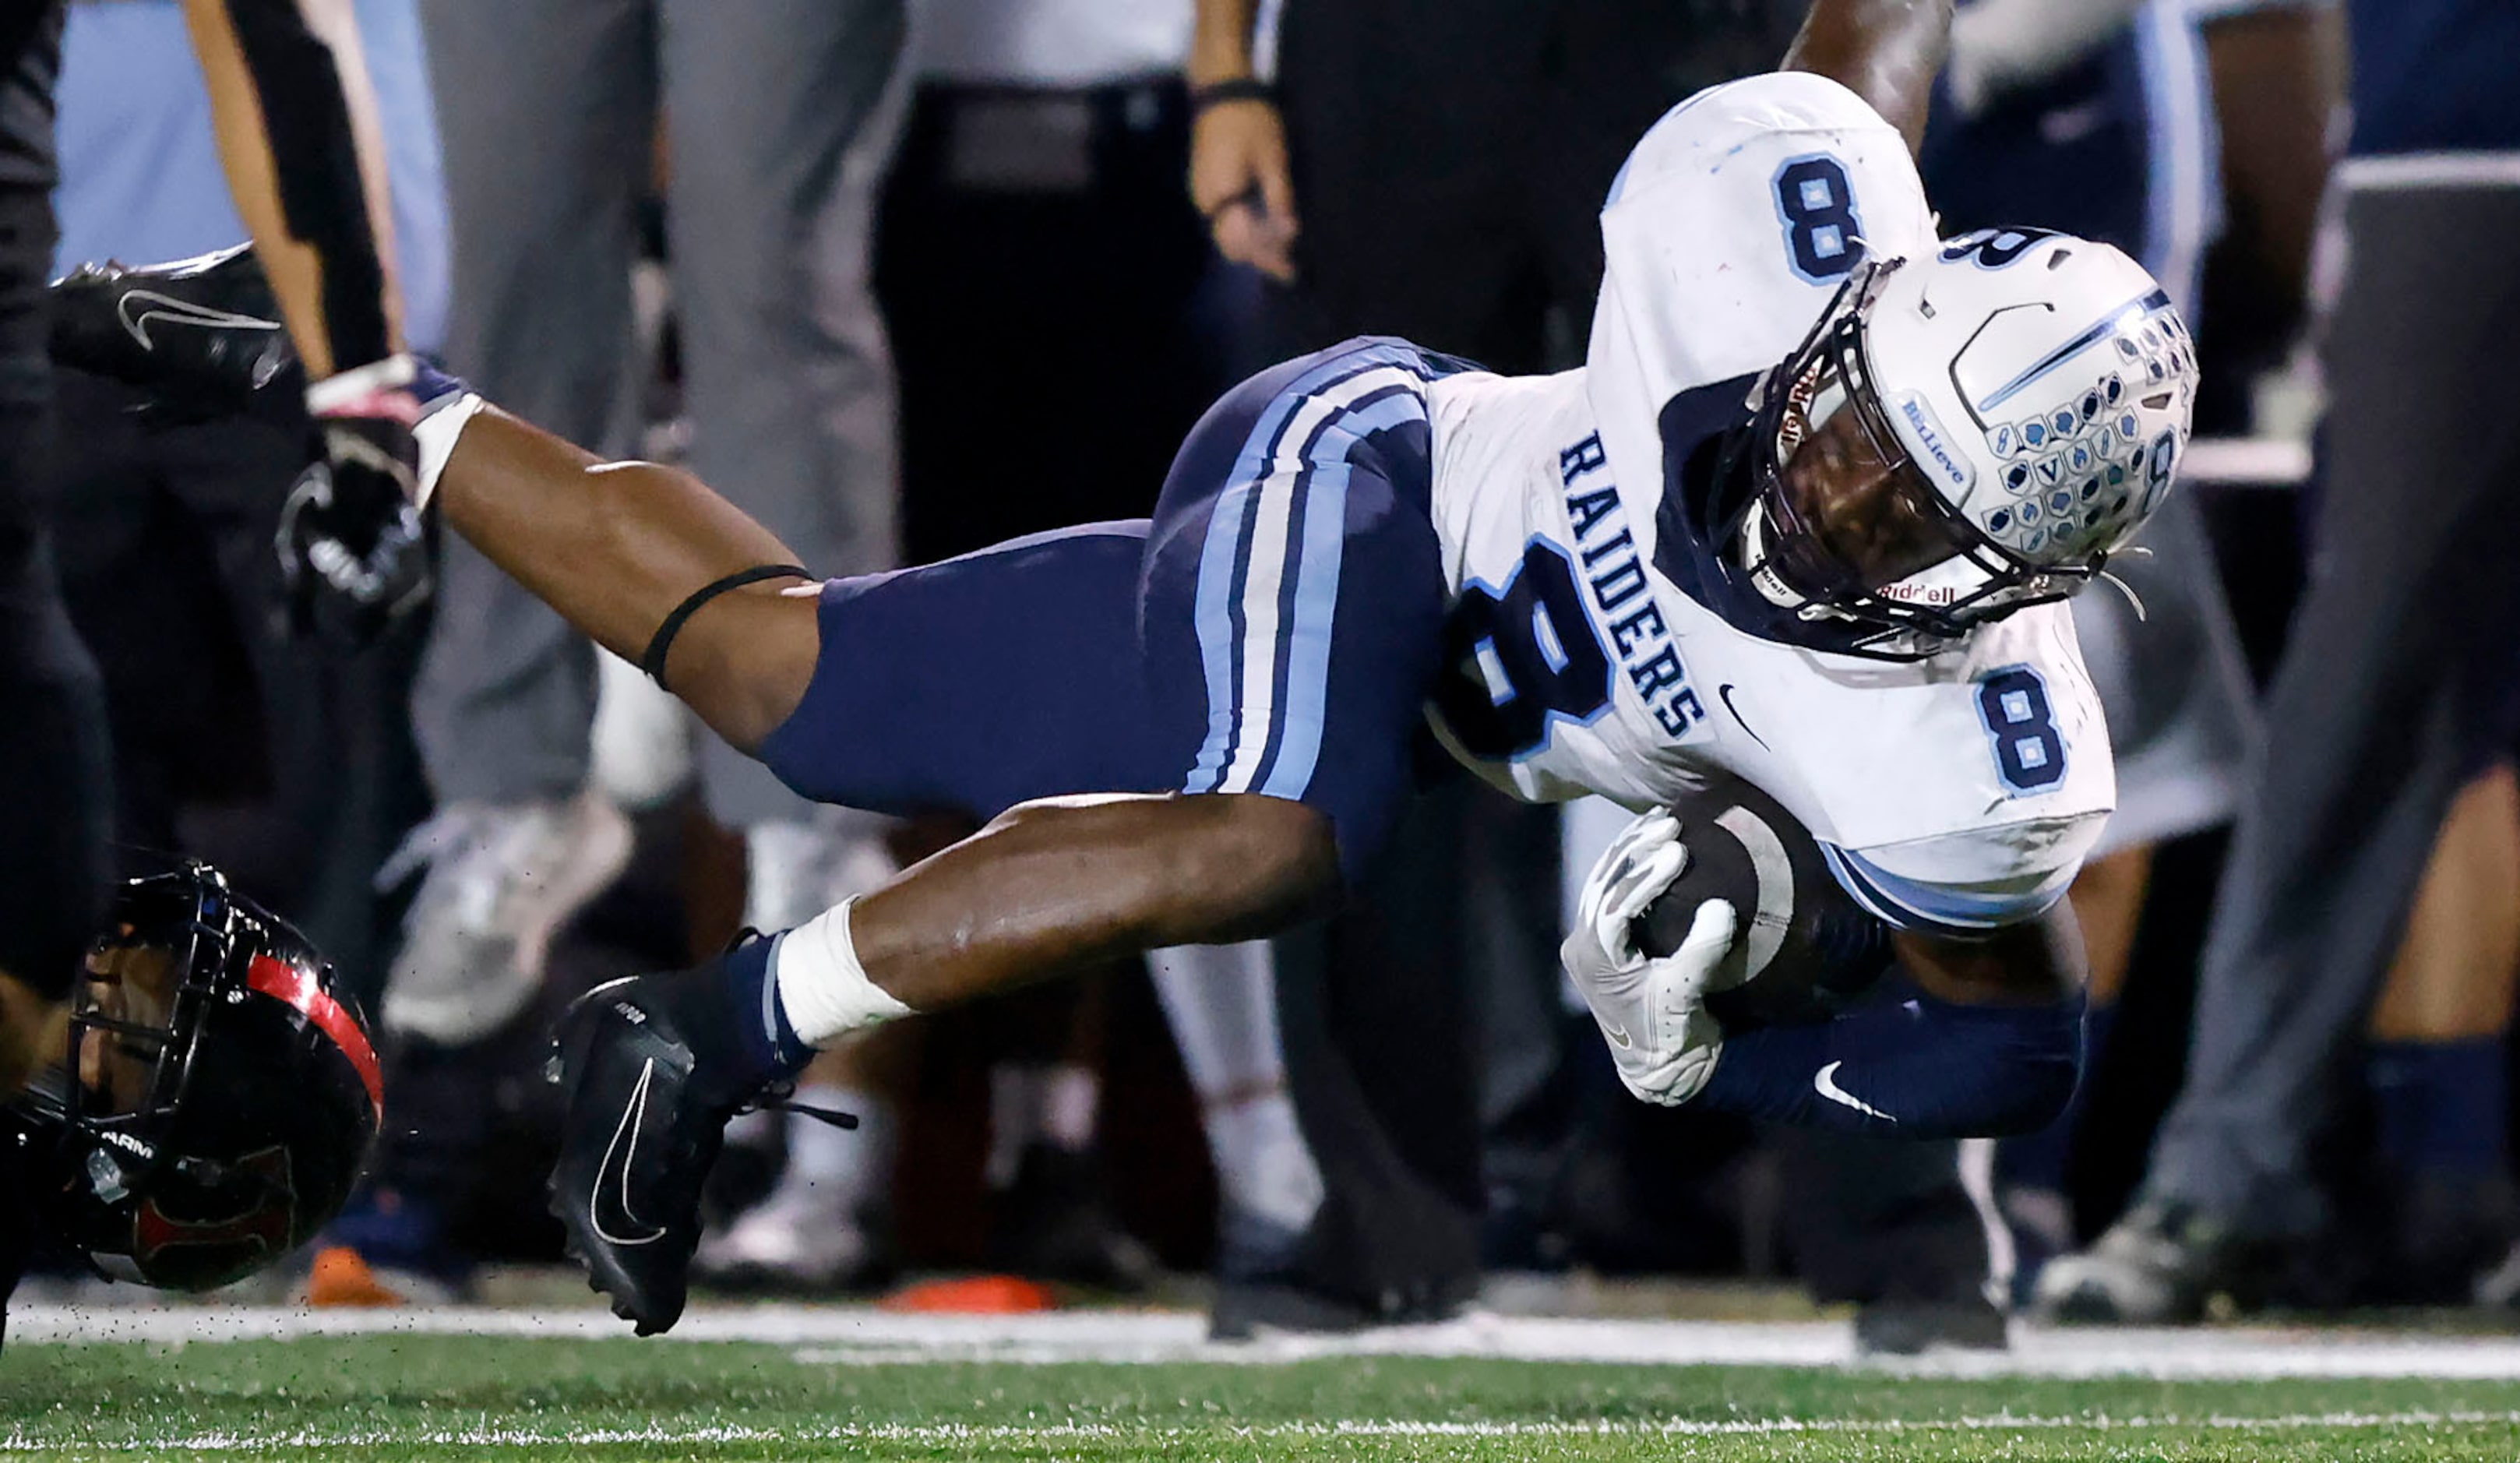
<point x="1798" y="926"/>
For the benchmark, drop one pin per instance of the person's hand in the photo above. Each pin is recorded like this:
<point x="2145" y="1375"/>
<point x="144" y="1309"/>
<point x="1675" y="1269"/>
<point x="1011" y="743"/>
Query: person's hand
<point x="201" y="339"/>
<point x="1652" y="1012"/>
<point x="353" y="550"/>
<point x="34" y="1028"/>
<point x="1239" y="178"/>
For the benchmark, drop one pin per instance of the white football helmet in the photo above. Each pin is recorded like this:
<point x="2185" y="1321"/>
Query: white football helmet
<point x="2037" y="388"/>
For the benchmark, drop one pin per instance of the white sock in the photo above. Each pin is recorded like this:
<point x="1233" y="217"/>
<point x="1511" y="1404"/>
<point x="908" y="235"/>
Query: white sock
<point x="1263" y="1166"/>
<point x="821" y="986"/>
<point x="826" y="1165"/>
<point x="1071" y="1096"/>
<point x="1222" y="1004"/>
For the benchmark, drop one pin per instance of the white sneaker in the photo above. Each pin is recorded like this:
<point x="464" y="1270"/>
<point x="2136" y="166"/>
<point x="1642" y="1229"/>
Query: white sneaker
<point x="796" y="1240"/>
<point x="639" y="749"/>
<point x="797" y="870"/>
<point x="501" y="882"/>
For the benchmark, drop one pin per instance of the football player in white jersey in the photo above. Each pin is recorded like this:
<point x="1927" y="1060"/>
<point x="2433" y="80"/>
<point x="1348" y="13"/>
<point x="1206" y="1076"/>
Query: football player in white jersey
<point x="1804" y="517"/>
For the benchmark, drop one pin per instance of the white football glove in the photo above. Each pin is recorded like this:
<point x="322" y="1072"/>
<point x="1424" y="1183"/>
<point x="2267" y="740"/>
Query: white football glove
<point x="1652" y="1012"/>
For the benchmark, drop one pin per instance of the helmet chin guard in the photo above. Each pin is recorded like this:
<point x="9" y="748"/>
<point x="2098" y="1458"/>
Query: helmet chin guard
<point x="2027" y="395"/>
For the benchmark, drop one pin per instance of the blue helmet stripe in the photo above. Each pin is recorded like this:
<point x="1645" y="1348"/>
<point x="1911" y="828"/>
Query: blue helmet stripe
<point x="2109" y="324"/>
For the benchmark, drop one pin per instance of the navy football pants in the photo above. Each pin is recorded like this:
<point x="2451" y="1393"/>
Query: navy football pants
<point x="1273" y="628"/>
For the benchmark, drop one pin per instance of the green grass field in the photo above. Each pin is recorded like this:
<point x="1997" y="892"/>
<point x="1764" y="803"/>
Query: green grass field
<point x="390" y="1397"/>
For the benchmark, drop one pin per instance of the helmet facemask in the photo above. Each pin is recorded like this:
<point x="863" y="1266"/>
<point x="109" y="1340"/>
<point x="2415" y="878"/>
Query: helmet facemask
<point x="1841" y="526"/>
<point x="136" y="1016"/>
<point x="194" y="1128"/>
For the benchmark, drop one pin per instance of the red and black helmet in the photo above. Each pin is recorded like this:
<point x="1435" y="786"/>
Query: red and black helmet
<point x="217" y="1097"/>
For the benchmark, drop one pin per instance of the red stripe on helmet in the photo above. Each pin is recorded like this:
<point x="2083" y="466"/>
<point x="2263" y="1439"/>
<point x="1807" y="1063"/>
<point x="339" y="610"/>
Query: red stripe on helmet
<point x="285" y="982"/>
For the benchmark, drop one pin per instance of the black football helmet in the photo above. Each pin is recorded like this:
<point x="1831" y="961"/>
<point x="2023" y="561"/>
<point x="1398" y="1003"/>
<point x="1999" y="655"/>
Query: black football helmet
<point x="215" y="1099"/>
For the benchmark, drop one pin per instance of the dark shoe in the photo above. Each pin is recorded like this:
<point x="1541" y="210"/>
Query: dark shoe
<point x="2449" y="1233"/>
<point x="202" y="337"/>
<point x="1055" y="1222"/>
<point x="647" y="1115"/>
<point x="1244" y="1308"/>
<point x="1908" y="1327"/>
<point x="2159" y="1265"/>
<point x="1263" y="1284"/>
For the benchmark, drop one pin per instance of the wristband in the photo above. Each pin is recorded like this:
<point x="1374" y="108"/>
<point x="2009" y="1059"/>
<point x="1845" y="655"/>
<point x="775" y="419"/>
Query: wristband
<point x="379" y="388"/>
<point x="435" y="437"/>
<point x="1231" y="89"/>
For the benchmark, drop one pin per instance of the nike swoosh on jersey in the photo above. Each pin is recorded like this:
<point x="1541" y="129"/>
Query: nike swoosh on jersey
<point x="616" y="1161"/>
<point x="1726" y="690"/>
<point x="1825" y="1081"/>
<point x="167" y="309"/>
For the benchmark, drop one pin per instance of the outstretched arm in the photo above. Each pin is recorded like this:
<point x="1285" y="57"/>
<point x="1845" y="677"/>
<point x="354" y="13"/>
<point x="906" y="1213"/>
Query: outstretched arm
<point x="615" y="547"/>
<point x="1884" y="51"/>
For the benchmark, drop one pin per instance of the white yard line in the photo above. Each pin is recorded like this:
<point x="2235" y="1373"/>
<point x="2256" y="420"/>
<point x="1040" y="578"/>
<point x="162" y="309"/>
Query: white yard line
<point x="829" y="1335"/>
<point x="958" y="1433"/>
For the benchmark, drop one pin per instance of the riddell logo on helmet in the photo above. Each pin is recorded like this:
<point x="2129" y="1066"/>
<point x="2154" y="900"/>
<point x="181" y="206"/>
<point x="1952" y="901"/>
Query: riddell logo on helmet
<point x="1930" y="434"/>
<point x="1918" y="594"/>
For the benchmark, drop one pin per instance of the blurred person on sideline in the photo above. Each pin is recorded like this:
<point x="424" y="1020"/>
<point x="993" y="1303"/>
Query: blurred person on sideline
<point x="280" y="757"/>
<point x="299" y="143"/>
<point x="1033" y="211"/>
<point x="2379" y="825"/>
<point x="776" y="120"/>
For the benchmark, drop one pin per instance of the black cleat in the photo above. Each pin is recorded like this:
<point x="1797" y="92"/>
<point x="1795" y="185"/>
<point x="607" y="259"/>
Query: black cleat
<point x="650" y="1093"/>
<point x="204" y="337"/>
<point x="637" y="1142"/>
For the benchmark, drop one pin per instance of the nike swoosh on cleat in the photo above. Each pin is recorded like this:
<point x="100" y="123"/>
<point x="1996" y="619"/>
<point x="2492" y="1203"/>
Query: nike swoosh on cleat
<point x="1618" y="1035"/>
<point x="166" y="308"/>
<point x="1826" y="1083"/>
<point x="633" y="1115"/>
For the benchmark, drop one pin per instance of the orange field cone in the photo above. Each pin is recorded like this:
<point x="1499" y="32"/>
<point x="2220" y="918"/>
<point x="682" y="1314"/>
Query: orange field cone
<point x="341" y="1278"/>
<point x="973" y="1294"/>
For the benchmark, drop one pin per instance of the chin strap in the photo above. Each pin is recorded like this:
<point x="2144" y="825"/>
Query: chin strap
<point x="662" y="643"/>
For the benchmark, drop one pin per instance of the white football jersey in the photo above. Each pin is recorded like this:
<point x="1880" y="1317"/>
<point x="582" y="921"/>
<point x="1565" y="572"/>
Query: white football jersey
<point x="1959" y="791"/>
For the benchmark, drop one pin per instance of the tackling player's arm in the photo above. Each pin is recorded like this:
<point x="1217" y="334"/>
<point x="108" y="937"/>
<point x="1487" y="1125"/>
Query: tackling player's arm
<point x="1884" y="51"/>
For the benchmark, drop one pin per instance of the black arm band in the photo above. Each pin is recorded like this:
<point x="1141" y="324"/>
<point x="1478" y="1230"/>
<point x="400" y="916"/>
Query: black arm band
<point x="1237" y="89"/>
<point x="662" y="643"/>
